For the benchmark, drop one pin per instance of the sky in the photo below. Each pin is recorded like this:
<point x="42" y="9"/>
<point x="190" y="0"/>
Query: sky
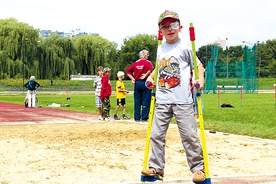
<point x="232" y="20"/>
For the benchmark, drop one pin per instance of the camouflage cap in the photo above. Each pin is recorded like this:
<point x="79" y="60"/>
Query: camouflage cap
<point x="168" y="14"/>
<point x="106" y="69"/>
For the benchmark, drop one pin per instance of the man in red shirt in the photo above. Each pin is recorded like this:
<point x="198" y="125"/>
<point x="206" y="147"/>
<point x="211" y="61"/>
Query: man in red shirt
<point x="105" y="94"/>
<point x="138" y="73"/>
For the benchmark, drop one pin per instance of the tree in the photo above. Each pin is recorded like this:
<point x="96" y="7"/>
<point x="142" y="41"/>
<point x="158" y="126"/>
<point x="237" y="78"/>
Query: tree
<point x="17" y="42"/>
<point x="93" y="51"/>
<point x="24" y="53"/>
<point x="133" y="45"/>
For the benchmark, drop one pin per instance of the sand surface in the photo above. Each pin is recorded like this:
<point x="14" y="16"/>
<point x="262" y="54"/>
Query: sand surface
<point x="112" y="152"/>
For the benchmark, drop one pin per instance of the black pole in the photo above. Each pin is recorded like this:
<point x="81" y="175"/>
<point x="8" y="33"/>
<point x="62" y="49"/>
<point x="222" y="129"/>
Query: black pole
<point x="23" y="62"/>
<point x="23" y="71"/>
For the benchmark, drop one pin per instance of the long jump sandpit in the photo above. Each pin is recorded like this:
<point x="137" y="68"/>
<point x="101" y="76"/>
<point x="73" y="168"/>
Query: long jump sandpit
<point x="72" y="147"/>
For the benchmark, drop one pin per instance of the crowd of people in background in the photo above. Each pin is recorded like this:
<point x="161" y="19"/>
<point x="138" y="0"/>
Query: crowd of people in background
<point x="138" y="73"/>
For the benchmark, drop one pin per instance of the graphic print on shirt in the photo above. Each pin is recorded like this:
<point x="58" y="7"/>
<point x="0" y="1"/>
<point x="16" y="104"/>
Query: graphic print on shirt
<point x="169" y="74"/>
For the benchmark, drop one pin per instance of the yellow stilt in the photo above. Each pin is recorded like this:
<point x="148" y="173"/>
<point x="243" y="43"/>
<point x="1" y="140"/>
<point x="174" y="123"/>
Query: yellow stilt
<point x="152" y="102"/>
<point x="201" y="121"/>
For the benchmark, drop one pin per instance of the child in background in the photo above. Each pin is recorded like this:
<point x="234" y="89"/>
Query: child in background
<point x="121" y="96"/>
<point x="98" y="86"/>
<point x="106" y="91"/>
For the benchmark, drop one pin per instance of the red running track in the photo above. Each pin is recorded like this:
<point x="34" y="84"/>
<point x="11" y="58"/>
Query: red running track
<point x="19" y="114"/>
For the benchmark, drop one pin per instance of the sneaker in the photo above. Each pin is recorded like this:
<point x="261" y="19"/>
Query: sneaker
<point x="197" y="120"/>
<point x="125" y="116"/>
<point x="100" y="118"/>
<point x="116" y="117"/>
<point x="152" y="172"/>
<point x="199" y="176"/>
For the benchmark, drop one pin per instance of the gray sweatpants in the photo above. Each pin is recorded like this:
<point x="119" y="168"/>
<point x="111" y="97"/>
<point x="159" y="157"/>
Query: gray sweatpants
<point x="184" y="115"/>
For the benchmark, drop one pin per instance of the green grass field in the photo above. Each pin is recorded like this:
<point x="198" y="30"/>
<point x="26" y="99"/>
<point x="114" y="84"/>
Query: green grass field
<point x="74" y="85"/>
<point x="254" y="115"/>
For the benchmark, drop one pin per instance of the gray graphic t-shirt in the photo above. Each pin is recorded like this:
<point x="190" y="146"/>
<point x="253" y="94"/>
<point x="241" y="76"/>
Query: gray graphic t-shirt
<point x="173" y="80"/>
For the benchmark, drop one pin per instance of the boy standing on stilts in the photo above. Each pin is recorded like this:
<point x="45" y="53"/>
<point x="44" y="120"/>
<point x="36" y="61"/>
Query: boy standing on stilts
<point x="174" y="98"/>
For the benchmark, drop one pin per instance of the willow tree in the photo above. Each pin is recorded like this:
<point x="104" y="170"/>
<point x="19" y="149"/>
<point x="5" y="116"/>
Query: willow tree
<point x="17" y="42"/>
<point x="55" y="55"/>
<point x="93" y="51"/>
